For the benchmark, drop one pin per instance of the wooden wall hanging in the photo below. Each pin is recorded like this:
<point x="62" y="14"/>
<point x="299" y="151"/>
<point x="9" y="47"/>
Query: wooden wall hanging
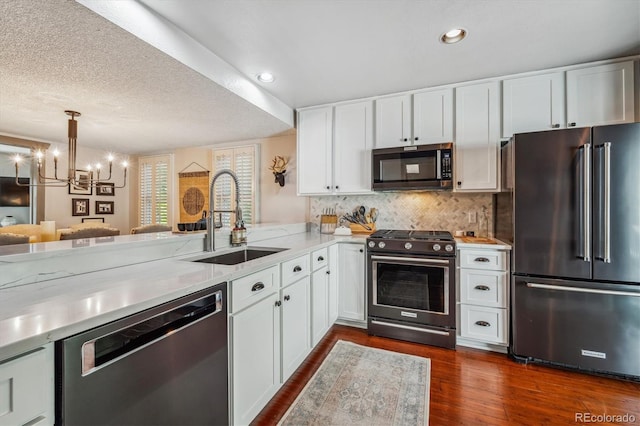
<point x="194" y="194"/>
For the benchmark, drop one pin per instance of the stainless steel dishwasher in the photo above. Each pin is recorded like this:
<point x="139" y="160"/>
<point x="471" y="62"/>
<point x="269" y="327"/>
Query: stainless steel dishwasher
<point x="163" y="366"/>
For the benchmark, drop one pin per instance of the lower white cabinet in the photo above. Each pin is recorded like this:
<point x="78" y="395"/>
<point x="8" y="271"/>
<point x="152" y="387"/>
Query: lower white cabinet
<point x="255" y="357"/>
<point x="352" y="286"/>
<point x="334" y="256"/>
<point x="320" y="304"/>
<point x="296" y="329"/>
<point x="483" y="298"/>
<point x="26" y="388"/>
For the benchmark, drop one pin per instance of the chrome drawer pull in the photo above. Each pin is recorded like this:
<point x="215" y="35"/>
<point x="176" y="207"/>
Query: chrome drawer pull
<point x="320" y="258"/>
<point x="481" y="259"/>
<point x="482" y="288"/>
<point x="257" y="286"/>
<point x="297" y="269"/>
<point x="483" y="324"/>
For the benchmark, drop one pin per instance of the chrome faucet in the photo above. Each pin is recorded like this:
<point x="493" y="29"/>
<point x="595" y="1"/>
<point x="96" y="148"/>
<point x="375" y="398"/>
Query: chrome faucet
<point x="210" y="244"/>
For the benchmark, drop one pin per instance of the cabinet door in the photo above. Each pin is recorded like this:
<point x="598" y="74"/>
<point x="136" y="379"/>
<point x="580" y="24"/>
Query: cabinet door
<point x="533" y="103"/>
<point x="319" y="304"/>
<point x="433" y="116"/>
<point x="352" y="297"/>
<point x="26" y="388"/>
<point x="353" y="140"/>
<point x="255" y="334"/>
<point x="315" y="127"/>
<point x="477" y="130"/>
<point x="334" y="256"/>
<point x="600" y="95"/>
<point x="296" y="328"/>
<point x="393" y="121"/>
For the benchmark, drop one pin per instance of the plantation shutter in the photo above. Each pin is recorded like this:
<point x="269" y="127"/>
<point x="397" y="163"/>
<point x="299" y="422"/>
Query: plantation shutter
<point x="242" y="161"/>
<point x="155" y="190"/>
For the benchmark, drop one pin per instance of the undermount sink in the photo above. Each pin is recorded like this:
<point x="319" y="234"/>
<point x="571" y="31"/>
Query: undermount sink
<point x="240" y="256"/>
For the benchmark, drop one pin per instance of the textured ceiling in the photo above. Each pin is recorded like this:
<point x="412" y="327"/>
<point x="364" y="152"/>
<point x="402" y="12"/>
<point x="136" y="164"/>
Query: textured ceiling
<point x="58" y="54"/>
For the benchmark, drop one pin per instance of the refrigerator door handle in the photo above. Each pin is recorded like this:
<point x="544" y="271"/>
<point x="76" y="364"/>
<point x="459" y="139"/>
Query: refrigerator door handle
<point x="607" y="203"/>
<point x="586" y="203"/>
<point x="582" y="289"/>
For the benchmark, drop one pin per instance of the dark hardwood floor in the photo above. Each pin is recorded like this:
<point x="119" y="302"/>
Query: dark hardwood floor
<point x="474" y="387"/>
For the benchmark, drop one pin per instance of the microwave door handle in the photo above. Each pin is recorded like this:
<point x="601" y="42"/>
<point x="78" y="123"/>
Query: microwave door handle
<point x="439" y="164"/>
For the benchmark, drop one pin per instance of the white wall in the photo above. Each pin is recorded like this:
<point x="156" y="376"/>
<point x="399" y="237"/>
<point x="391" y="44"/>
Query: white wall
<point x="21" y="214"/>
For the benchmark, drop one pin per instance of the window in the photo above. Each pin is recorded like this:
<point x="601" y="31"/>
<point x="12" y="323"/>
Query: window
<point x="155" y="189"/>
<point x="242" y="161"/>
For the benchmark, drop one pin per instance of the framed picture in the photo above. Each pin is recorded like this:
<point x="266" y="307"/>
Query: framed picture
<point x="80" y="207"/>
<point x="104" y="207"/>
<point x="83" y="187"/>
<point x="93" y="219"/>
<point x="105" y="189"/>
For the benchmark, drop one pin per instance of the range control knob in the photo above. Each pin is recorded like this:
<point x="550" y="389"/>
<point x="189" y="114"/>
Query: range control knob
<point x="408" y="246"/>
<point x="381" y="244"/>
<point x="436" y="247"/>
<point x="372" y="244"/>
<point x="448" y="247"/>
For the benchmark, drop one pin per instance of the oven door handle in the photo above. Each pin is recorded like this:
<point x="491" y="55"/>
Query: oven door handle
<point x="412" y="259"/>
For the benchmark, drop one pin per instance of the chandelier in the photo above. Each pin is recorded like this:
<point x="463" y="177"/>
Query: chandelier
<point x="77" y="178"/>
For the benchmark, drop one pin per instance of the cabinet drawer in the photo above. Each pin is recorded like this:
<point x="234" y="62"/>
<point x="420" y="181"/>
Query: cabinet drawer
<point x="486" y="288"/>
<point x="26" y="387"/>
<point x="319" y="258"/>
<point x="483" y="259"/>
<point x="252" y="288"/>
<point x="294" y="269"/>
<point x="485" y="324"/>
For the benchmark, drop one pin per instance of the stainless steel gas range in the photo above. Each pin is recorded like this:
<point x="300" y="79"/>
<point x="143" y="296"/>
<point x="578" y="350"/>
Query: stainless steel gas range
<point x="411" y="286"/>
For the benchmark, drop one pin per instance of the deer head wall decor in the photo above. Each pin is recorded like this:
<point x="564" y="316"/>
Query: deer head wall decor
<point x="279" y="168"/>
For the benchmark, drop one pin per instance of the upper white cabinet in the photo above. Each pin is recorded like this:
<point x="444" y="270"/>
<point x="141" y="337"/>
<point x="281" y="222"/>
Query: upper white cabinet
<point x="418" y="118"/>
<point x="334" y="152"/>
<point x="315" y="155"/>
<point x="393" y="121"/>
<point x="533" y="103"/>
<point x="599" y="95"/>
<point x="477" y="137"/>
<point x="353" y="140"/>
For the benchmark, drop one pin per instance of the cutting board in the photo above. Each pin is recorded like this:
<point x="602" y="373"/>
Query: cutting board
<point x="478" y="240"/>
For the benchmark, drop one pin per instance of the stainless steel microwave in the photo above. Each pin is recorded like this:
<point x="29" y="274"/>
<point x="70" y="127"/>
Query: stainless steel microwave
<point x="426" y="167"/>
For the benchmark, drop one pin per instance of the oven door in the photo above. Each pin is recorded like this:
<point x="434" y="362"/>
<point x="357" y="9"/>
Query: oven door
<point x="413" y="289"/>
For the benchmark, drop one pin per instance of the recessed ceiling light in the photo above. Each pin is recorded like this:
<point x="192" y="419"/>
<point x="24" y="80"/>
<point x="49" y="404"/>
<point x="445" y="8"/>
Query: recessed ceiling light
<point x="453" y="36"/>
<point x="265" y="77"/>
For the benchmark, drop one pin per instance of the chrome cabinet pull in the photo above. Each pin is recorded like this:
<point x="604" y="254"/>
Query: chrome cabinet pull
<point x="278" y="303"/>
<point x="482" y="288"/>
<point x="483" y="324"/>
<point x="481" y="259"/>
<point x="607" y="203"/>
<point x="257" y="286"/>
<point x="297" y="269"/>
<point x="287" y="298"/>
<point x="320" y="259"/>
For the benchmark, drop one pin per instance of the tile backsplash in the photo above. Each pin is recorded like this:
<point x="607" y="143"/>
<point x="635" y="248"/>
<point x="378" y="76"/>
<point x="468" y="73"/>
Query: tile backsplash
<point x="444" y="210"/>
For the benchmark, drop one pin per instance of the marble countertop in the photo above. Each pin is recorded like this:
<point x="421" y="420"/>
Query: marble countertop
<point x="34" y="314"/>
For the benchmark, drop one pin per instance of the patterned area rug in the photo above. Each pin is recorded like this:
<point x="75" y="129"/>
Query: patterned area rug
<point x="357" y="385"/>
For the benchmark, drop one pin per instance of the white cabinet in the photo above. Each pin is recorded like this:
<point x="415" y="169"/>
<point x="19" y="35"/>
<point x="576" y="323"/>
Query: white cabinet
<point x="352" y="285"/>
<point x="255" y="347"/>
<point x="296" y="328"/>
<point x="315" y="155"/>
<point x="334" y="149"/>
<point x="320" y="297"/>
<point x="420" y="118"/>
<point x="483" y="298"/>
<point x="477" y="137"/>
<point x="353" y="140"/>
<point x="26" y="388"/>
<point x="533" y="103"/>
<point x="393" y="121"/>
<point x="334" y="256"/>
<point x="601" y="94"/>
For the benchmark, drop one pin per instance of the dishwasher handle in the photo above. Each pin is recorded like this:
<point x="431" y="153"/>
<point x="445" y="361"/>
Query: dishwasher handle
<point x="113" y="346"/>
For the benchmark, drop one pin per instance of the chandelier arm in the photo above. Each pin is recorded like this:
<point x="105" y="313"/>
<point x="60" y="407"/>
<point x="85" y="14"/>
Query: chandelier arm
<point x="124" y="183"/>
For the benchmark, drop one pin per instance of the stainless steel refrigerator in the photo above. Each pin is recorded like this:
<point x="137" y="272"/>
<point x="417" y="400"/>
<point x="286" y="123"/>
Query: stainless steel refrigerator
<point x="575" y="221"/>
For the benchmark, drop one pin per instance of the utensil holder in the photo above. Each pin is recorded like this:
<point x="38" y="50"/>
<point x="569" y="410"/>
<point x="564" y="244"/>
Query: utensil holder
<point x="357" y="228"/>
<point x="328" y="223"/>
